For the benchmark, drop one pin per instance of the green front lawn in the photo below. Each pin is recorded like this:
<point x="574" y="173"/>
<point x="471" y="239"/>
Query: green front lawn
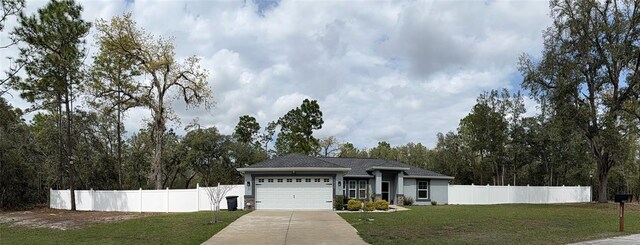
<point x="176" y="228"/>
<point x="496" y="224"/>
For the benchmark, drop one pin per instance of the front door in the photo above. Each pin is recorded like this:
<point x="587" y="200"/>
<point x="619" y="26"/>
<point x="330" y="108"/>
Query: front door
<point x="385" y="190"/>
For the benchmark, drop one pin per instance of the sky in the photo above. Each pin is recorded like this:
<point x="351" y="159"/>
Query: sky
<point x="395" y="71"/>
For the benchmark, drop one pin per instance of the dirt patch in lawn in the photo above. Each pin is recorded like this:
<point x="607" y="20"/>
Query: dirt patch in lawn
<point x="63" y="219"/>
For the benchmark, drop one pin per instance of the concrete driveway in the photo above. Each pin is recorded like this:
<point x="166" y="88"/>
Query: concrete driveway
<point x="288" y="227"/>
<point x="621" y="240"/>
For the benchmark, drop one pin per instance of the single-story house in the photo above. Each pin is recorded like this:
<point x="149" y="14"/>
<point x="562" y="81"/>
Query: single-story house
<point x="298" y="181"/>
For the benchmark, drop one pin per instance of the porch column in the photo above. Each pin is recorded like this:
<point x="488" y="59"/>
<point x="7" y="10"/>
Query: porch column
<point x="339" y="184"/>
<point x="378" y="192"/>
<point x="400" y="189"/>
<point x="248" y="185"/>
<point x="249" y="198"/>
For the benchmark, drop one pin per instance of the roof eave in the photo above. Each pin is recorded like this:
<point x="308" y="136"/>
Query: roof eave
<point x="387" y="168"/>
<point x="286" y="169"/>
<point x="358" y="176"/>
<point x="428" y="177"/>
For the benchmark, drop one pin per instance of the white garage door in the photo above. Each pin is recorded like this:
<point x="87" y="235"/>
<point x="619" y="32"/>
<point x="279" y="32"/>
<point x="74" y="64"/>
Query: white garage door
<point x="294" y="193"/>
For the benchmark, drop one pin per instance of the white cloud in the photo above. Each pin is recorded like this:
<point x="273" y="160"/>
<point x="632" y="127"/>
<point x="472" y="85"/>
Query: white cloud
<point x="385" y="70"/>
<point x="287" y="102"/>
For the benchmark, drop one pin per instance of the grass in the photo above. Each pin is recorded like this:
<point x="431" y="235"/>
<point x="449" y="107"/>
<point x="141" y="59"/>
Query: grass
<point x="181" y="228"/>
<point x="496" y="224"/>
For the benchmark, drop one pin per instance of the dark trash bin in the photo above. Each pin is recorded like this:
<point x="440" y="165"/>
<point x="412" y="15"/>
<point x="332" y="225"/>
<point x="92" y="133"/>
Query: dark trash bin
<point x="232" y="203"/>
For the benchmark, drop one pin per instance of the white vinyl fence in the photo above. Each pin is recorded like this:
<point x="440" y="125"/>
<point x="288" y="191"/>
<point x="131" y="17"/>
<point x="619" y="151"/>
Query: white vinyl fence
<point x="485" y="194"/>
<point x="191" y="200"/>
<point x="178" y="200"/>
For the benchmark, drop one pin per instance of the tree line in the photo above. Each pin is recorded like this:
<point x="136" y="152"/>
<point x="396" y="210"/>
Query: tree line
<point x="586" y="131"/>
<point x="75" y="139"/>
<point x="495" y="144"/>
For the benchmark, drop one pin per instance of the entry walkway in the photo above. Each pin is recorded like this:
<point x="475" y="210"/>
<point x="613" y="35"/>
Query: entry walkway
<point x="287" y="228"/>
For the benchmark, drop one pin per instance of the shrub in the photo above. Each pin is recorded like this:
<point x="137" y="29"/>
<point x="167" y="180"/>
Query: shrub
<point x="381" y="204"/>
<point x="338" y="203"/>
<point x="434" y="203"/>
<point x="354" y="205"/>
<point x="408" y="201"/>
<point x="368" y="206"/>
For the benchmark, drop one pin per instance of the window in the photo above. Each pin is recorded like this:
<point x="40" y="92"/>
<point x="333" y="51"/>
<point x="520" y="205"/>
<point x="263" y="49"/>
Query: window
<point x="352" y="189"/>
<point x="270" y="181"/>
<point x="298" y="180"/>
<point x="260" y="180"/>
<point x="344" y="189"/>
<point x="423" y="189"/>
<point x="326" y="180"/>
<point x="317" y="180"/>
<point x="307" y="180"/>
<point x="362" y="189"/>
<point x="289" y="180"/>
<point x="279" y="180"/>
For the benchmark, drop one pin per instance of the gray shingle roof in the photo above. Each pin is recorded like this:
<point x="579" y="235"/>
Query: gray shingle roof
<point x="295" y="160"/>
<point x="359" y="166"/>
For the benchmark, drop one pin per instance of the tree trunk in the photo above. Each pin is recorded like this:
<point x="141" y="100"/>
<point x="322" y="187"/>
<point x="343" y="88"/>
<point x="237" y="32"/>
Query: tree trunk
<point x="70" y="154"/>
<point x="158" y="148"/>
<point x="186" y="186"/>
<point x="603" y="176"/>
<point x="119" y="145"/>
<point x="60" y="144"/>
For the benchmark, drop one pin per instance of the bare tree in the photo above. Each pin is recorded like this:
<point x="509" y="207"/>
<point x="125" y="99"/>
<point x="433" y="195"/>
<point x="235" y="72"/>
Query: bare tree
<point x="168" y="79"/>
<point x="329" y="146"/>
<point x="216" y="194"/>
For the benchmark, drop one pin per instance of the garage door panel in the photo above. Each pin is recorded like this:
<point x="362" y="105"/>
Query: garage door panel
<point x="295" y="195"/>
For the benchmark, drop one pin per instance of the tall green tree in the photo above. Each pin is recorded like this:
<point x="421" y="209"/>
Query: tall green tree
<point x="267" y="136"/>
<point x="168" y="78"/>
<point x="589" y="73"/>
<point x="19" y="182"/>
<point x="208" y="152"/>
<point x="138" y="157"/>
<point x="383" y="151"/>
<point x="452" y="157"/>
<point x="349" y="150"/>
<point x="414" y="154"/>
<point x="296" y="129"/>
<point x="52" y="57"/>
<point x="113" y="89"/>
<point x="485" y="131"/>
<point x="247" y="130"/>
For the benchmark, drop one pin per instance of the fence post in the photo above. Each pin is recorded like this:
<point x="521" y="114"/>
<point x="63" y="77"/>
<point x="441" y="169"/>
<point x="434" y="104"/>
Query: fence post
<point x="548" y="192"/>
<point x="198" y="196"/>
<point x="167" y="199"/>
<point x="140" y="191"/>
<point x="528" y="194"/>
<point x="50" y="197"/>
<point x="564" y="199"/>
<point x="488" y="196"/>
<point x="92" y="200"/>
<point x="509" y="193"/>
<point x="473" y="196"/>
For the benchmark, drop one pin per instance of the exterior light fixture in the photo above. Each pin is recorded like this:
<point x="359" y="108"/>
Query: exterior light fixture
<point x="248" y="183"/>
